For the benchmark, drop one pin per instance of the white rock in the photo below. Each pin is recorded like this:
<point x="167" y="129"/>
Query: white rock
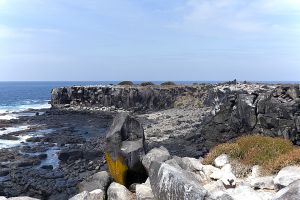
<point x="228" y="178"/>
<point x="93" y="195"/>
<point x="263" y="183"/>
<point x="244" y="193"/>
<point x="144" y="192"/>
<point x="209" y="169"/>
<point x="117" y="191"/>
<point x="255" y="172"/>
<point x="216" y="175"/>
<point x="3" y="198"/>
<point x="221" y="160"/>
<point x="291" y="192"/>
<point x="287" y="175"/>
<point x="215" y="189"/>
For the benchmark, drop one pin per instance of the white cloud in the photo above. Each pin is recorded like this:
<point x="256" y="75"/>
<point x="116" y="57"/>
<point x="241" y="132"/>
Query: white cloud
<point x="221" y="17"/>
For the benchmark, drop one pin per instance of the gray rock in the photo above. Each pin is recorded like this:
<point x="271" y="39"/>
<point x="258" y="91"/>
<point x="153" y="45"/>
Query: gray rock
<point x="93" y="195"/>
<point x="22" y="198"/>
<point x="286" y="176"/>
<point x="291" y="192"/>
<point x="117" y="191"/>
<point x="170" y="183"/>
<point x="100" y="180"/>
<point x="125" y="141"/>
<point x="144" y="192"/>
<point x="160" y="154"/>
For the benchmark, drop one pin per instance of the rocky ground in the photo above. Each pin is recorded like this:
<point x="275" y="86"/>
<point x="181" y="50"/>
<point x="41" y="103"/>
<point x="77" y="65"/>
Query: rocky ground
<point x="60" y="150"/>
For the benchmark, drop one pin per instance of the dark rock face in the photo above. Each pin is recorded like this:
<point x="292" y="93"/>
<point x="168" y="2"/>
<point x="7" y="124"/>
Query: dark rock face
<point x="170" y="183"/>
<point x="129" y="98"/>
<point x="274" y="112"/>
<point x="124" y="149"/>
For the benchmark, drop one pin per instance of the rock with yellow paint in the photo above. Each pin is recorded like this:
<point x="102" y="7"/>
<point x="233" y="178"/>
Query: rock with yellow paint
<point x="125" y="149"/>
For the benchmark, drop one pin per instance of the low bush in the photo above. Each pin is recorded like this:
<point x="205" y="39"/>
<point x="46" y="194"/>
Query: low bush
<point x="168" y="83"/>
<point x="126" y="83"/>
<point x="147" y="83"/>
<point x="270" y="153"/>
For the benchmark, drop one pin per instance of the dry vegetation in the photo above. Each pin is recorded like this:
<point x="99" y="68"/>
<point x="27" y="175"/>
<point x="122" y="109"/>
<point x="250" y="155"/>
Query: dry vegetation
<point x="270" y="153"/>
<point x="188" y="102"/>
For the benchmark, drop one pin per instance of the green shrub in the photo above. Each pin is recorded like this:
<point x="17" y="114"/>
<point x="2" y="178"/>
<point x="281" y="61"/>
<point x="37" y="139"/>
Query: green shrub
<point x="126" y="83"/>
<point x="270" y="153"/>
<point x="147" y="83"/>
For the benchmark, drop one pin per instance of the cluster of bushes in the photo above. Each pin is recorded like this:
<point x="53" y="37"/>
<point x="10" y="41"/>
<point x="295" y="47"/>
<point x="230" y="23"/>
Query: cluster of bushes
<point x="147" y="84"/>
<point x="129" y="83"/>
<point x="168" y="83"/>
<point x="272" y="154"/>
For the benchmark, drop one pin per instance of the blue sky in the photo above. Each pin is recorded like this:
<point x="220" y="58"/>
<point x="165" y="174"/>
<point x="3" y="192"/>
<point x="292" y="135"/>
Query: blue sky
<point x="149" y="40"/>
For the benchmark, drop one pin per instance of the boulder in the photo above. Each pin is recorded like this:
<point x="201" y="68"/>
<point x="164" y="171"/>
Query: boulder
<point x="160" y="154"/>
<point x="93" y="195"/>
<point x="286" y="176"/>
<point x="170" y="183"/>
<point x="144" y="192"/>
<point x="117" y="191"/>
<point x="221" y="160"/>
<point x="263" y="183"/>
<point x="100" y="180"/>
<point x="124" y="150"/>
<point x="291" y="192"/>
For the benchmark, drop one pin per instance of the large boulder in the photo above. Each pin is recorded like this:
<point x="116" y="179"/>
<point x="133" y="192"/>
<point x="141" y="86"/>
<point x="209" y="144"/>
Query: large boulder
<point x="117" y="191"/>
<point x="144" y="192"/>
<point x="221" y="160"/>
<point x="100" y="180"/>
<point x="125" y="149"/>
<point x="160" y="154"/>
<point x="93" y="195"/>
<point x="291" y="192"/>
<point x="286" y="176"/>
<point x="170" y="183"/>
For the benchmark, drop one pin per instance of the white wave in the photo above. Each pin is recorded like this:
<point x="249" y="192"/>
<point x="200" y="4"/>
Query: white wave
<point x="13" y="143"/>
<point x="13" y="129"/>
<point x="8" y="117"/>
<point x="24" y="107"/>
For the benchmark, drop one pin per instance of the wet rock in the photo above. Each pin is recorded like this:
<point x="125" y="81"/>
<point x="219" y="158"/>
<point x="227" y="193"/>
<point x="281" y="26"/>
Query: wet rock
<point x="100" y="180"/>
<point x="118" y="192"/>
<point x="70" y="155"/>
<point x="170" y="183"/>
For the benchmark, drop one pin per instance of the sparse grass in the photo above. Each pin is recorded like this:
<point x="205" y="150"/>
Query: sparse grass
<point x="270" y="153"/>
<point x="187" y="102"/>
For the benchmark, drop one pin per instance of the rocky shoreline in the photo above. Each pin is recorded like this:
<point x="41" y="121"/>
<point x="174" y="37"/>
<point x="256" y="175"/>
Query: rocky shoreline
<point x="67" y="143"/>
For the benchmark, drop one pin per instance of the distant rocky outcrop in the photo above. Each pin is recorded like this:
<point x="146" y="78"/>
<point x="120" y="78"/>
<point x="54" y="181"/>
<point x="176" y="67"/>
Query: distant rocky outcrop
<point x="270" y="111"/>
<point x="133" y="98"/>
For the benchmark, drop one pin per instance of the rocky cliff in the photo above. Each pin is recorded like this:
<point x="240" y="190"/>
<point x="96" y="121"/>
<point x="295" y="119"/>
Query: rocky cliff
<point x="271" y="110"/>
<point x="135" y="98"/>
<point x="236" y="109"/>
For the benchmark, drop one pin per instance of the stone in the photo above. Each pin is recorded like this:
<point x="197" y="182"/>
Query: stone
<point x="117" y="191"/>
<point x="209" y="169"/>
<point x="216" y="175"/>
<point x="22" y="198"/>
<point x="228" y="178"/>
<point x="286" y="176"/>
<point x="144" y="192"/>
<point x="170" y="183"/>
<point x="215" y="189"/>
<point x="255" y="172"/>
<point x="263" y="183"/>
<point x="160" y="154"/>
<point x="125" y="149"/>
<point x="93" y="195"/>
<point x="100" y="180"/>
<point x="221" y="160"/>
<point x="192" y="164"/>
<point x="244" y="193"/>
<point x="291" y="192"/>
